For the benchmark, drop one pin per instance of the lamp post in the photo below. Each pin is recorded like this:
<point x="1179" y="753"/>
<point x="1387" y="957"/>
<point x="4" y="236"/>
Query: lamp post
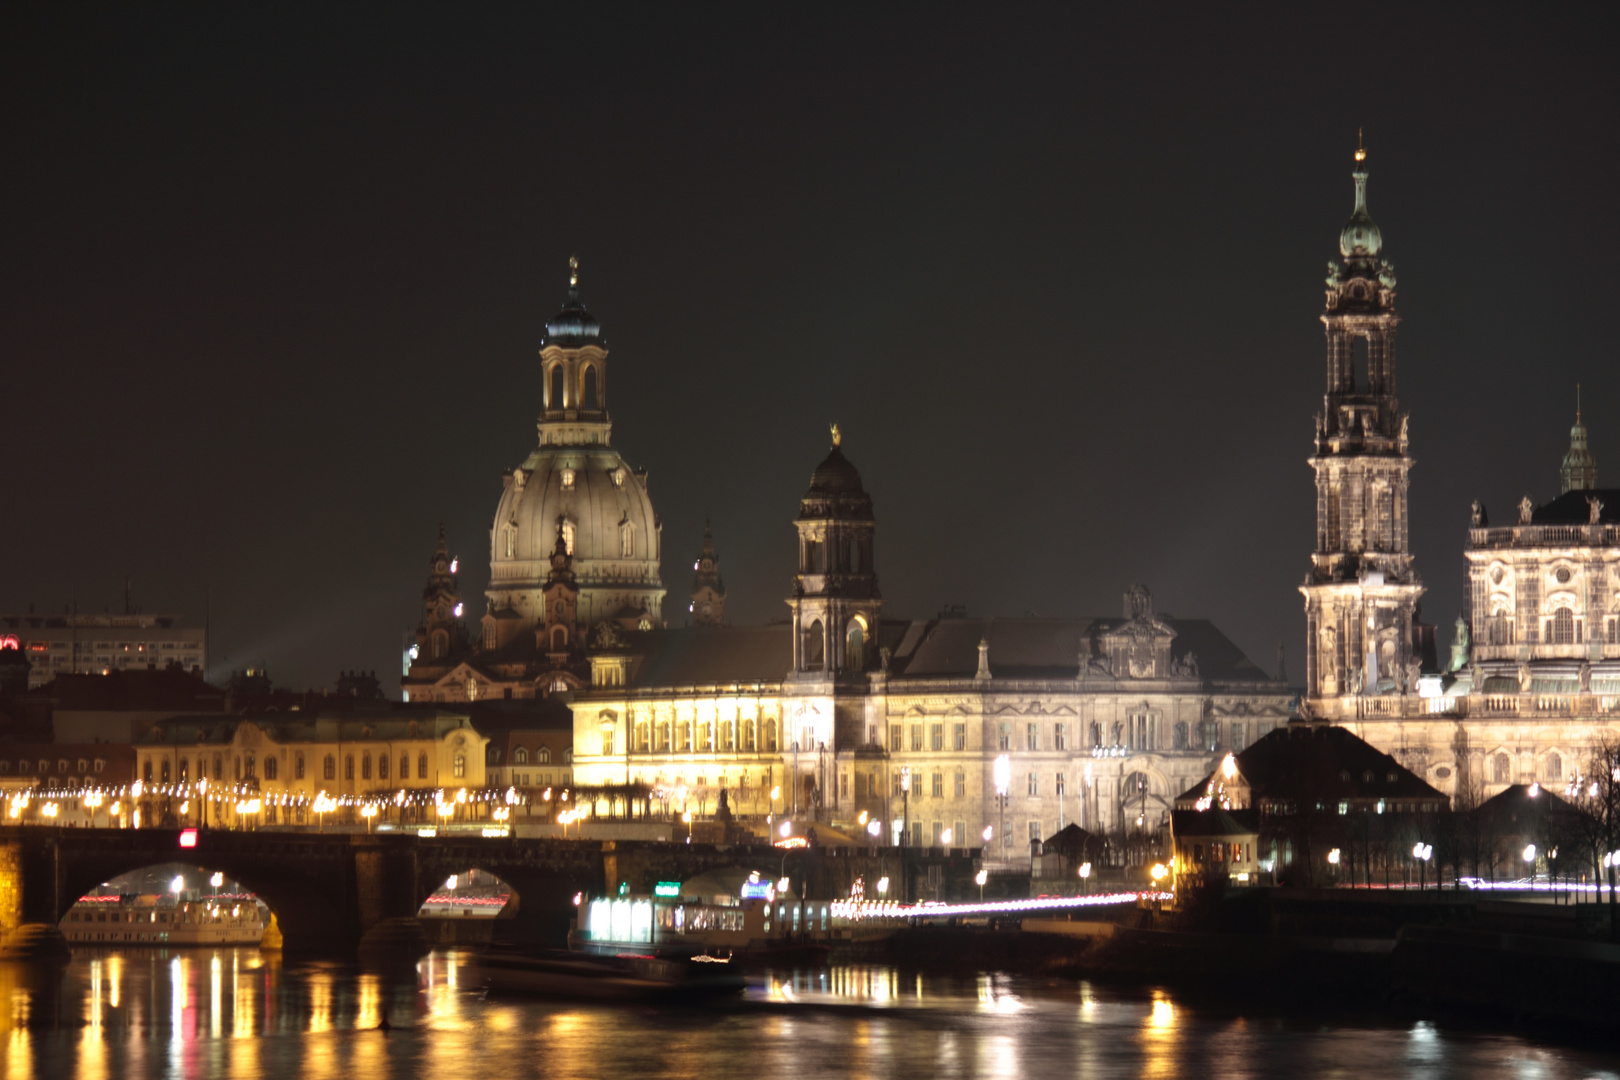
<point x="1002" y="773"/>
<point x="1422" y="853"/>
<point x="905" y="803"/>
<point x="981" y="877"/>
<point x="1085" y="875"/>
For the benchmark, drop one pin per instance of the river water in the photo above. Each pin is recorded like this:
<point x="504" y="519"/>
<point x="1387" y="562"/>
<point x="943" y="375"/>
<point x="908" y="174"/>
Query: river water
<point x="236" y="1013"/>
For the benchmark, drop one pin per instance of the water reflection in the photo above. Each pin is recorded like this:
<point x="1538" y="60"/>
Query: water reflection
<point x="234" y="1012"/>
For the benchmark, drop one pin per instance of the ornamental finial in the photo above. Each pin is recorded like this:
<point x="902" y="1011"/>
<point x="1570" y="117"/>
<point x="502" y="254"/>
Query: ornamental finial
<point x="1361" y="149"/>
<point x="573" y="271"/>
<point x="837" y="436"/>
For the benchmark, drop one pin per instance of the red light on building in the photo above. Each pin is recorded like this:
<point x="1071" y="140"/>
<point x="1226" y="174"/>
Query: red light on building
<point x="10" y="642"/>
<point x="188" y="837"/>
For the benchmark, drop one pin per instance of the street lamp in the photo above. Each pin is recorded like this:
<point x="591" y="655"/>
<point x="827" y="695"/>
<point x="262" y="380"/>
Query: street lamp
<point x="981" y="877"/>
<point x="905" y="802"/>
<point x="1085" y="875"/>
<point x="1002" y="772"/>
<point x="1422" y="853"/>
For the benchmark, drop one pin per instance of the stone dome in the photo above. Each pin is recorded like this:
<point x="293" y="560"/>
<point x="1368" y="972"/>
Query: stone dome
<point x="609" y="519"/>
<point x="836" y="476"/>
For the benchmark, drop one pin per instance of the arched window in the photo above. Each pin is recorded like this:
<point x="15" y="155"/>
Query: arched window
<point x="568" y="536"/>
<point x="404" y="767"/>
<point x="520" y="756"/>
<point x="814" y="647"/>
<point x="237" y="765"/>
<point x="458" y="766"/>
<point x="557" y="399"/>
<point x="164" y="771"/>
<point x="331" y="767"/>
<point x="248" y="767"/>
<point x="365" y="765"/>
<point x="748" y="735"/>
<point x="421" y="766"/>
<point x="543" y="755"/>
<point x="1181" y="736"/>
<point x="1555" y="767"/>
<point x="559" y="638"/>
<point x="382" y="767"/>
<point x="440" y="644"/>
<point x="855" y="646"/>
<point x="770" y="734"/>
<point x="1561" y="628"/>
<point x="1500" y="767"/>
<point x="270" y="768"/>
<point x="348" y="767"/>
<point x="590" y="398"/>
<point x="627" y="538"/>
<point x="202" y="767"/>
<point x="146" y="772"/>
<point x="298" y="767"/>
<point x="185" y="768"/>
<point x="493" y="756"/>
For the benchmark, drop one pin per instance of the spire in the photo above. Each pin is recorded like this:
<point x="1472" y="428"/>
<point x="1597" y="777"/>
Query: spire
<point x="1360" y="238"/>
<point x="1579" y="470"/>
<point x="708" y="607"/>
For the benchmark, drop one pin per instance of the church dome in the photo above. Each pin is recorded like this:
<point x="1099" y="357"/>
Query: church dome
<point x="573" y="326"/>
<point x="836" y="476"/>
<point x="608" y="522"/>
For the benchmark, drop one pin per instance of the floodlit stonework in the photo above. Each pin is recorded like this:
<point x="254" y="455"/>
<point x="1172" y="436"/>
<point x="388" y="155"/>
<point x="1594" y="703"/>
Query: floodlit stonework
<point x="1532" y="682"/>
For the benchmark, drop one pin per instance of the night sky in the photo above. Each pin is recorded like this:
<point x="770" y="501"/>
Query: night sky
<point x="275" y="277"/>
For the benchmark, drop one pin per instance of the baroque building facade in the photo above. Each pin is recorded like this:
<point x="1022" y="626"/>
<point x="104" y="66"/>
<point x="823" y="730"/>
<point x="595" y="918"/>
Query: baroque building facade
<point x="842" y="717"/>
<point x="1533" y="679"/>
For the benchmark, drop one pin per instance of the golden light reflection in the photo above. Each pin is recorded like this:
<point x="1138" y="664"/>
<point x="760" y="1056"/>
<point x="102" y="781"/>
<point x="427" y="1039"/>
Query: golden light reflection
<point x="215" y="1011"/>
<point x="320" y="1002"/>
<point x="19" y="1050"/>
<point x="368" y="1009"/>
<point x="115" y="979"/>
<point x="1158" y="1039"/>
<point x="243" y="1005"/>
<point x="1164" y="1013"/>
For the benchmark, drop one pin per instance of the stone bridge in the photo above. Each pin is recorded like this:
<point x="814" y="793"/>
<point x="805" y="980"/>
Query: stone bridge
<point x="334" y="893"/>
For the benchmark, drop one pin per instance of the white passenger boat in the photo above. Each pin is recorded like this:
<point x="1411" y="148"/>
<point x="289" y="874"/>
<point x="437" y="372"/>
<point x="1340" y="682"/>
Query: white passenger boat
<point x="147" y="920"/>
<point x="625" y="977"/>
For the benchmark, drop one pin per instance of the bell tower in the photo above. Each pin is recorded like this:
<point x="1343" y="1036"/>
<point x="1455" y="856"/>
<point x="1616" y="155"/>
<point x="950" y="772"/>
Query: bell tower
<point x="708" y="590"/>
<point x="1361" y="593"/>
<point x="835" y="598"/>
<point x="573" y="364"/>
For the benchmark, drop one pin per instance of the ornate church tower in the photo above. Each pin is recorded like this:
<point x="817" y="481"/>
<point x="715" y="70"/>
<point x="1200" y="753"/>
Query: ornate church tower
<point x="1362" y="591"/>
<point x="1579" y="470"/>
<point x="835" y="597"/>
<point x="441" y="634"/>
<point x="708" y="590"/>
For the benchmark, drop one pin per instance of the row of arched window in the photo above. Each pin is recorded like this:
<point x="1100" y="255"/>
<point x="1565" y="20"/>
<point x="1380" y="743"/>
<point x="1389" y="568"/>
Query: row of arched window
<point x="1502" y="768"/>
<point x="245" y="767"/>
<point x="727" y="736"/>
<point x="590" y="396"/>
<point x="815" y="648"/>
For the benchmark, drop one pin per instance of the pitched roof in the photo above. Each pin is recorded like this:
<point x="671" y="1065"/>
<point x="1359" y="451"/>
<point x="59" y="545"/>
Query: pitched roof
<point x="1049" y="648"/>
<point x="1213" y="822"/>
<point x="711" y="655"/>
<point x="1306" y="762"/>
<point x="1571" y="508"/>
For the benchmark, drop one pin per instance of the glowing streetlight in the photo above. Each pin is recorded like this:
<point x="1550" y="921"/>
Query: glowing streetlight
<point x="1333" y="857"/>
<point x="981" y="877"/>
<point x="883" y="886"/>
<point x="874" y="828"/>
<point x="945" y="837"/>
<point x="178" y="885"/>
<point x="1530" y="853"/>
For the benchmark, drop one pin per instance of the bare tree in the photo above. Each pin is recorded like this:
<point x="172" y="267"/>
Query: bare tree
<point x="1595" y="793"/>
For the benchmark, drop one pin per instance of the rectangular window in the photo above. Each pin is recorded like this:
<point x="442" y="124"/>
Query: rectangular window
<point x="895" y="735"/>
<point x="960" y="734"/>
<point x="871" y="785"/>
<point x="298" y="767"/>
<point x="1060" y="736"/>
<point x="898" y="790"/>
<point x="1237" y="736"/>
<point x="1032" y="737"/>
<point x="1034" y="784"/>
<point x="939" y="831"/>
<point x="1034" y="830"/>
<point x="961" y="785"/>
<point x="1344" y="807"/>
<point x="1062" y="787"/>
<point x="936" y="737"/>
<point x="959" y="833"/>
<point x="939" y="785"/>
<point x="916" y="736"/>
<point x="843" y="785"/>
<point x="917" y="834"/>
<point x="871" y="735"/>
<point x="1004" y="737"/>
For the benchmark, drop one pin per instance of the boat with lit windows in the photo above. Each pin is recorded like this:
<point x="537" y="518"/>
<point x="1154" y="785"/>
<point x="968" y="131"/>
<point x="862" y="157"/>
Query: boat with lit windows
<point x="746" y="921"/>
<point x="153" y="920"/>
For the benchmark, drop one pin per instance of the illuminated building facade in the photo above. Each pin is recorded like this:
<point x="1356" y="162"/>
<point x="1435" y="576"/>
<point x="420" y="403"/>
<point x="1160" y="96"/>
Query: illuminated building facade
<point x="99" y="644"/>
<point x="852" y="718"/>
<point x="574" y="548"/>
<point x="1533" y="680"/>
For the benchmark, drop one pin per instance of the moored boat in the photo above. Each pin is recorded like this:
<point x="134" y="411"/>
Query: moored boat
<point x="622" y="977"/>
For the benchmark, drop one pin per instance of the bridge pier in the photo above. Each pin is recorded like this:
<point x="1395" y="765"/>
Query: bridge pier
<point x="385" y="887"/>
<point x="28" y="903"/>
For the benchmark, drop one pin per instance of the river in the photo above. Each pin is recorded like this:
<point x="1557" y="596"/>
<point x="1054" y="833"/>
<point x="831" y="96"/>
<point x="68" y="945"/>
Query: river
<point x="241" y="1014"/>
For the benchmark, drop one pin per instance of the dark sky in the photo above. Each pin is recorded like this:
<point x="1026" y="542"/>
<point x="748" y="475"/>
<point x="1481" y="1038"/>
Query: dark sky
<point x="274" y="280"/>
